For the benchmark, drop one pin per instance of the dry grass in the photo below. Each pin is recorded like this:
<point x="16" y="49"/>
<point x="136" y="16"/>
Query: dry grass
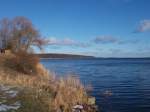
<point x="23" y="62"/>
<point x="44" y="92"/>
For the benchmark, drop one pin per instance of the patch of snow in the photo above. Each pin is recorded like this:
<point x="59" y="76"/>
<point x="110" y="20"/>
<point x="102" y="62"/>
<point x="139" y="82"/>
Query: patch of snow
<point x="78" y="107"/>
<point x="2" y="97"/>
<point x="12" y="93"/>
<point x="8" y="92"/>
<point x="14" y="106"/>
<point x="4" y="88"/>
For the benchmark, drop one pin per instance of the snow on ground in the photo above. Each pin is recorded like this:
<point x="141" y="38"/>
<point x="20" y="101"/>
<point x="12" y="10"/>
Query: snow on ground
<point x="14" y="106"/>
<point x="8" y="93"/>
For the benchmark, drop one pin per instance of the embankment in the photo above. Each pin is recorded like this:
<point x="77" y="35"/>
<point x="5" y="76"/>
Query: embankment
<point x="40" y="92"/>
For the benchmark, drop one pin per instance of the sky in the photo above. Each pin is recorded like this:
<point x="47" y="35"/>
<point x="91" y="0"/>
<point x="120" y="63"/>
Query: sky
<point x="101" y="28"/>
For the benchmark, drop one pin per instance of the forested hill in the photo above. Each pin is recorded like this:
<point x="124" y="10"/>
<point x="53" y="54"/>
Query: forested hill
<point x="70" y="56"/>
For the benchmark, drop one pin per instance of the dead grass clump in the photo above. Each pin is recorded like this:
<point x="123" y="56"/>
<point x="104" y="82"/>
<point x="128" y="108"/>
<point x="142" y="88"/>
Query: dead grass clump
<point x="23" y="62"/>
<point x="69" y="93"/>
<point x="33" y="101"/>
<point x="51" y="94"/>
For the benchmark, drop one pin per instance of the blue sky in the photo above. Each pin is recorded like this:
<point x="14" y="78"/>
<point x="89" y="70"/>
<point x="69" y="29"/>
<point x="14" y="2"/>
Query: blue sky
<point x="103" y="28"/>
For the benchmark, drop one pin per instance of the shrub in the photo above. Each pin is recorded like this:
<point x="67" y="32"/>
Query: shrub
<point x="24" y="62"/>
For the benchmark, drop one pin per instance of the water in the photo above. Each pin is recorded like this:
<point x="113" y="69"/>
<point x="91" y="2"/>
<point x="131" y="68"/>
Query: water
<point x="119" y="85"/>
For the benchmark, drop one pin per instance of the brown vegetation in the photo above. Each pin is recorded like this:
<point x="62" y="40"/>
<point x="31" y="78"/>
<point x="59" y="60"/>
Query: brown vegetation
<point x="43" y="92"/>
<point x="39" y="90"/>
<point x="23" y="62"/>
<point x="19" y="34"/>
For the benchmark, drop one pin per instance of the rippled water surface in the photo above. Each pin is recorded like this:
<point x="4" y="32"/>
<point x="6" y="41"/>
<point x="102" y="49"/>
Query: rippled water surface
<point x="120" y="85"/>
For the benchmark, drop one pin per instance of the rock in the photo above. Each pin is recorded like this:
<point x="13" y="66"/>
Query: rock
<point x="77" y="108"/>
<point x="91" y="101"/>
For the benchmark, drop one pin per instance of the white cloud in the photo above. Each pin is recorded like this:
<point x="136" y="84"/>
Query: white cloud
<point x="65" y="42"/>
<point x="144" y="26"/>
<point x="105" y="39"/>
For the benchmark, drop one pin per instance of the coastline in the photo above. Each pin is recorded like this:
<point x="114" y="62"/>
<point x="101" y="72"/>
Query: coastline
<point x="63" y="91"/>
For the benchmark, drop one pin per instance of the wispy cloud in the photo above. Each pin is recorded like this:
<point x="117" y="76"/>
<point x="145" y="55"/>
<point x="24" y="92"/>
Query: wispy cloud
<point x="114" y="40"/>
<point x="105" y="39"/>
<point x="129" y="41"/>
<point x="144" y="26"/>
<point x="128" y="53"/>
<point x="65" y="42"/>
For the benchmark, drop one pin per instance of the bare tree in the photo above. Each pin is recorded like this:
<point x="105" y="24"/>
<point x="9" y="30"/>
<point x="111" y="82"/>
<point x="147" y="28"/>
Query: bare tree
<point x="23" y="34"/>
<point x="19" y="34"/>
<point x="5" y="32"/>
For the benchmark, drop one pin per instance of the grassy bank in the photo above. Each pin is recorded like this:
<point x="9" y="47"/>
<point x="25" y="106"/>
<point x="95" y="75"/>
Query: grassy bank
<point x="43" y="91"/>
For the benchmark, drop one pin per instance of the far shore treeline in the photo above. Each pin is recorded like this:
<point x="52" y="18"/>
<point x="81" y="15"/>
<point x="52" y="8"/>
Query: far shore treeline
<point x="62" y="56"/>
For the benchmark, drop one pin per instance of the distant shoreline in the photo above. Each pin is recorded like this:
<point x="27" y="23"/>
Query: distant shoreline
<point x="75" y="56"/>
<point x="62" y="56"/>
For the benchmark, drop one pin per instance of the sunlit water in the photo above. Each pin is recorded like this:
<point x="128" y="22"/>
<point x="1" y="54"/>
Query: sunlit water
<point x="119" y="85"/>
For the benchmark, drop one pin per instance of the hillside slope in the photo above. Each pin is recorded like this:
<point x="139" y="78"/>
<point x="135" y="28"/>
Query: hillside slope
<point x="42" y="92"/>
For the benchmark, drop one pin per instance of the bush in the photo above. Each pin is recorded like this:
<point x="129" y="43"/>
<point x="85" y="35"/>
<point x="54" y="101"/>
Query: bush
<point x="24" y="62"/>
